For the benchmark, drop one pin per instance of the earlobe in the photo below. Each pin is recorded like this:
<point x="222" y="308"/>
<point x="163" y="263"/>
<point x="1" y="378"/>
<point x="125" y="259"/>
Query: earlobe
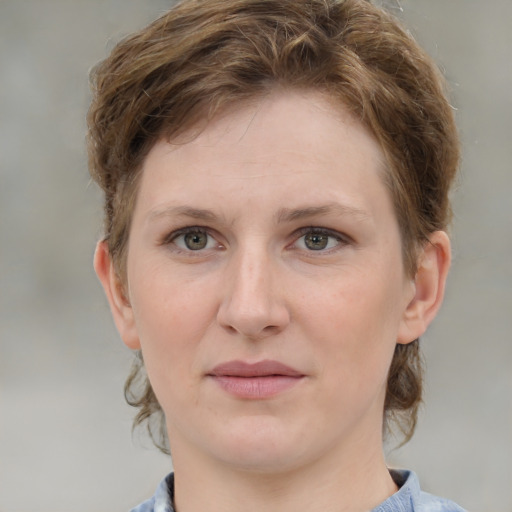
<point x="120" y="307"/>
<point x="429" y="284"/>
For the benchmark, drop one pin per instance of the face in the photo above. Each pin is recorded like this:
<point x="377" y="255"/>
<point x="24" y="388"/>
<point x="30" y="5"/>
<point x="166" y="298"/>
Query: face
<point x="265" y="285"/>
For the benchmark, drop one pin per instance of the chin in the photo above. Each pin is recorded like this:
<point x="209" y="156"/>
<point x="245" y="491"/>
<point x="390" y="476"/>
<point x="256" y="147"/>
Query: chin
<point x="266" y="461"/>
<point x="260" y="446"/>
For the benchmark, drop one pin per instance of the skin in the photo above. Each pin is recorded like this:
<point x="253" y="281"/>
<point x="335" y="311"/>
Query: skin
<point x="260" y="285"/>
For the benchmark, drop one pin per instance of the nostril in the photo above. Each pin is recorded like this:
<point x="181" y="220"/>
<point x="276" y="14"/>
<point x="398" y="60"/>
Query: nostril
<point x="255" y="333"/>
<point x="230" y="329"/>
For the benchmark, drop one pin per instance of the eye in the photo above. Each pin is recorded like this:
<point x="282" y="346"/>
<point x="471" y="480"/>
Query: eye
<point x="319" y="239"/>
<point x="193" y="239"/>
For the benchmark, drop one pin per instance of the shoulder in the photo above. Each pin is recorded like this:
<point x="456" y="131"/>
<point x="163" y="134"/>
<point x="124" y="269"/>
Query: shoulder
<point x="147" y="506"/>
<point x="161" y="501"/>
<point x="429" y="503"/>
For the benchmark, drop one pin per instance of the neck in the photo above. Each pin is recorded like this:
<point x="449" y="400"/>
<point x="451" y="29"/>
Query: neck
<point x="356" y="480"/>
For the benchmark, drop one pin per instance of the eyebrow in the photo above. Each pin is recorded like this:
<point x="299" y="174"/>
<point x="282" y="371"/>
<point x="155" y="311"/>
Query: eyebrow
<point x="183" y="211"/>
<point x="283" y="215"/>
<point x="293" y="214"/>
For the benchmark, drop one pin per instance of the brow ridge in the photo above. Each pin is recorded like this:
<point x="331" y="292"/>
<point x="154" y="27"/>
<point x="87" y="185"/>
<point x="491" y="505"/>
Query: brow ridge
<point x="184" y="211"/>
<point x="293" y="214"/>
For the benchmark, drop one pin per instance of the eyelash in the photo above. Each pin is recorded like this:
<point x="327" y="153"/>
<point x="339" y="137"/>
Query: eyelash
<point x="190" y="230"/>
<point x="341" y="239"/>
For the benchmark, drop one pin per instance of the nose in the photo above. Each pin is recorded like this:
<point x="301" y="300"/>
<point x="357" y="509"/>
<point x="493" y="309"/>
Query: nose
<point x="253" y="303"/>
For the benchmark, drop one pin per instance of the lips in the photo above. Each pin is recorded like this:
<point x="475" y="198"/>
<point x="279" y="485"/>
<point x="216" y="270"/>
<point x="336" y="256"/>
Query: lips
<point x="261" y="380"/>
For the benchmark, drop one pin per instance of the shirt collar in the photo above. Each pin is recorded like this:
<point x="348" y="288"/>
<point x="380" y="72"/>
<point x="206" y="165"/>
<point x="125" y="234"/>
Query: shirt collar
<point x="407" y="496"/>
<point x="164" y="495"/>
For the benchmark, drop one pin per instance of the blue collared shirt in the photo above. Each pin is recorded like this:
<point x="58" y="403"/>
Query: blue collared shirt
<point x="409" y="497"/>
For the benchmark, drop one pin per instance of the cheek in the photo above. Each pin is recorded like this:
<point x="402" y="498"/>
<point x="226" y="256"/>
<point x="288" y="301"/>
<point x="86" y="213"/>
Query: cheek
<point x="165" y="303"/>
<point x="357" y="300"/>
<point x="171" y="317"/>
<point x="357" y="324"/>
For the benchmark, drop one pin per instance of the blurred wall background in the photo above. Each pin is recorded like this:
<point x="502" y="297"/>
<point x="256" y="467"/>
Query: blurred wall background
<point x="65" y="441"/>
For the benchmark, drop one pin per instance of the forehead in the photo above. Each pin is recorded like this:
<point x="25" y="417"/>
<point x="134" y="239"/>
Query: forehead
<point x="288" y="139"/>
<point x="307" y="121"/>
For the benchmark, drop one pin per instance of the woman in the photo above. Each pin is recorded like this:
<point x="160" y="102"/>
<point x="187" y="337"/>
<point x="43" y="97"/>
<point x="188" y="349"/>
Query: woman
<point x="276" y="177"/>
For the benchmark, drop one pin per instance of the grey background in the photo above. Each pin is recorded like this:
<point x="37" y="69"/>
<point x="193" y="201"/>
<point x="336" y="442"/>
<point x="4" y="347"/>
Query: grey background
<point x="65" y="441"/>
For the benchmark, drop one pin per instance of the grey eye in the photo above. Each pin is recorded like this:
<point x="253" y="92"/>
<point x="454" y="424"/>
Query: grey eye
<point x="316" y="241"/>
<point x="195" y="241"/>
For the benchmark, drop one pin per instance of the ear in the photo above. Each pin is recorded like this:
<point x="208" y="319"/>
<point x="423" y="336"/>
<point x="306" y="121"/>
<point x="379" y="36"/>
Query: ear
<point x="429" y="284"/>
<point x="120" y="307"/>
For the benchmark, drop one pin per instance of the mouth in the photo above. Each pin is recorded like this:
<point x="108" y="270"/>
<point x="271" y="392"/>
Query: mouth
<point x="255" y="381"/>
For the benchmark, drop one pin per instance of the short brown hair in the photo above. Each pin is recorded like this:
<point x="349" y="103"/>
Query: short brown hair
<point x="203" y="55"/>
